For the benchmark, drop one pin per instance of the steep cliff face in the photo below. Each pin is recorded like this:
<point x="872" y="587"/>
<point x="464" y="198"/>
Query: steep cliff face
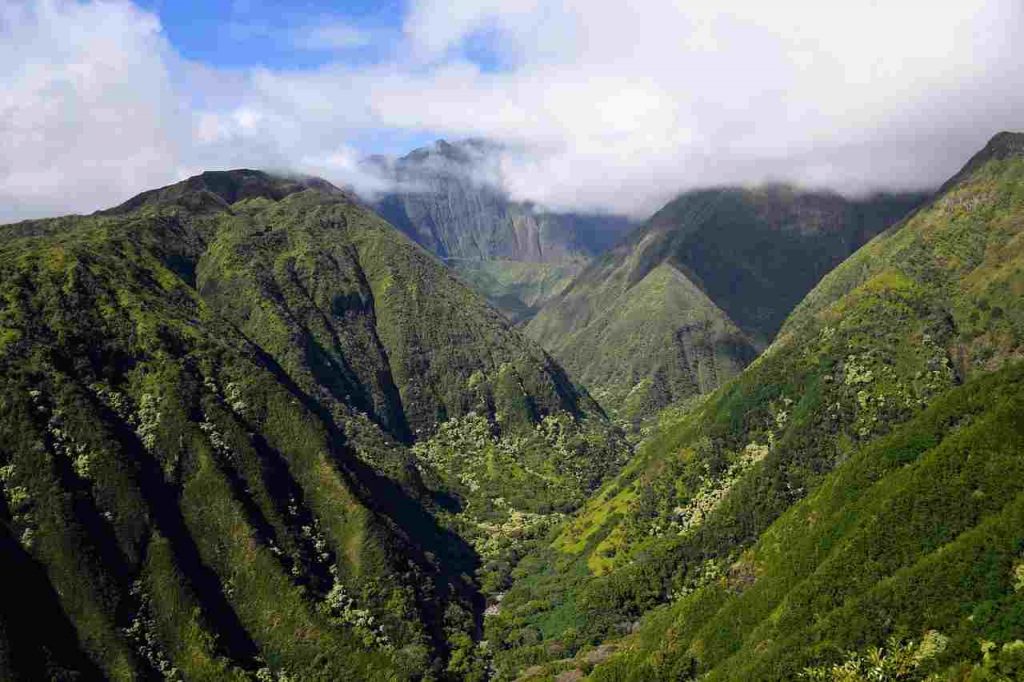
<point x="208" y="397"/>
<point x="741" y="259"/>
<point x="449" y="199"/>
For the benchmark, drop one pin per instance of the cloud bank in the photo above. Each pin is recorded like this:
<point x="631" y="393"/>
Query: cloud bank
<point x="608" y="107"/>
<point x="87" y="106"/>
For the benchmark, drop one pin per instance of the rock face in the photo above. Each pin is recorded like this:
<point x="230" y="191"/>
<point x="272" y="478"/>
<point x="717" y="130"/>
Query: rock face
<point x="451" y="202"/>
<point x="207" y="397"/>
<point x="741" y="260"/>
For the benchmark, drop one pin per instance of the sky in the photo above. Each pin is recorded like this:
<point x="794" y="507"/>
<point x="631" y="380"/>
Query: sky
<point x="599" y="106"/>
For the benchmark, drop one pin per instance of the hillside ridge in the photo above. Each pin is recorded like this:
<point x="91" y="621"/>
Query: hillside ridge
<point x="266" y="439"/>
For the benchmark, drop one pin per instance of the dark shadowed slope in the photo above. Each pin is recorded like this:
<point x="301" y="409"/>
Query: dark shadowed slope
<point x="740" y="261"/>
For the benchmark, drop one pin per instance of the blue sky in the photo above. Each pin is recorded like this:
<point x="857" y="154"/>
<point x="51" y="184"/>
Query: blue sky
<point x="250" y="33"/>
<point x="237" y="34"/>
<point x="307" y="35"/>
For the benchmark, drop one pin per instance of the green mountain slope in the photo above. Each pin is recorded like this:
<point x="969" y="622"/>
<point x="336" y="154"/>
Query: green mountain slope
<point x="208" y="398"/>
<point x="659" y="341"/>
<point x="753" y="254"/>
<point x="516" y="288"/>
<point x="915" y="538"/>
<point x="910" y="520"/>
<point x="640" y="338"/>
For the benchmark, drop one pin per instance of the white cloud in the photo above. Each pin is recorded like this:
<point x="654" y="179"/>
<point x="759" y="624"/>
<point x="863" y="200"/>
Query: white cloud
<point x="433" y="28"/>
<point x="637" y="103"/>
<point x="87" y="112"/>
<point x="609" y="106"/>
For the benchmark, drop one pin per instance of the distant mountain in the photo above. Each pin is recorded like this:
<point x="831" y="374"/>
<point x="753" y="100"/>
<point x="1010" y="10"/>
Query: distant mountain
<point x="242" y="418"/>
<point x="450" y="200"/>
<point x="739" y="259"/>
<point x="516" y="288"/>
<point x="849" y="507"/>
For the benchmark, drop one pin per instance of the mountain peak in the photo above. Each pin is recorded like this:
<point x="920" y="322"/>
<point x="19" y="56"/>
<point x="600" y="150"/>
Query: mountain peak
<point x="219" y="189"/>
<point x="1004" y="145"/>
<point x="461" y="152"/>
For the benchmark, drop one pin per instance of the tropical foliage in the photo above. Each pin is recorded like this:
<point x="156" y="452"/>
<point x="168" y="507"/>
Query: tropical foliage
<point x="209" y="396"/>
<point x="857" y="482"/>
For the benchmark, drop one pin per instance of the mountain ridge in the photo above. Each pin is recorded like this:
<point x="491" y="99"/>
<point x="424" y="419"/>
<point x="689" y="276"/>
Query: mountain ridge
<point x="217" y="440"/>
<point x="229" y="186"/>
<point x="842" y="500"/>
<point x="736" y="247"/>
